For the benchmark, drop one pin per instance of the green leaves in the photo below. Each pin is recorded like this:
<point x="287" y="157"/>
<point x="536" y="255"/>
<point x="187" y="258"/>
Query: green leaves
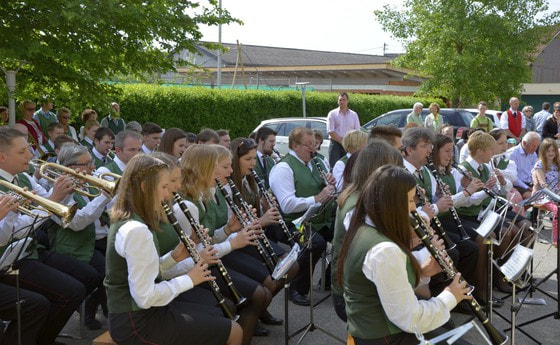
<point x="470" y="50"/>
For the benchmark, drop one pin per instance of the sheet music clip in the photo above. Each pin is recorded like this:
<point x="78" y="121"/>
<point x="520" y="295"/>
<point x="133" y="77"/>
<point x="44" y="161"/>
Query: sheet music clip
<point x="488" y="224"/>
<point x="286" y="263"/>
<point x="516" y="265"/>
<point x="448" y="337"/>
<point x="14" y="252"/>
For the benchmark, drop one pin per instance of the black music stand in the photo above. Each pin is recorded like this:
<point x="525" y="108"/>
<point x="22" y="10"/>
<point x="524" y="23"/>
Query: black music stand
<point x="535" y="287"/>
<point x="453" y="335"/>
<point x="304" y="222"/>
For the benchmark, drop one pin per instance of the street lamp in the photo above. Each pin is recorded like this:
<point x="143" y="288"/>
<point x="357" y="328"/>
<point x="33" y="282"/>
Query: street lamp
<point x="11" y="84"/>
<point x="303" y="84"/>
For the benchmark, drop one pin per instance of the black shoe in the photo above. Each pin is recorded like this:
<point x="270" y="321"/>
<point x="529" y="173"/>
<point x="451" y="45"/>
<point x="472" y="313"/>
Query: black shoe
<point x="299" y="298"/>
<point x="91" y="309"/>
<point x="93" y="324"/>
<point x="261" y="332"/>
<point x="268" y="319"/>
<point x="497" y="302"/>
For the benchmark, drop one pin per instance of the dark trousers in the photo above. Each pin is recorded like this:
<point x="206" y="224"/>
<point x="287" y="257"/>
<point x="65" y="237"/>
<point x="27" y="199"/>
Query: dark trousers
<point x="34" y="312"/>
<point x="79" y="270"/>
<point x="336" y="151"/>
<point x="63" y="292"/>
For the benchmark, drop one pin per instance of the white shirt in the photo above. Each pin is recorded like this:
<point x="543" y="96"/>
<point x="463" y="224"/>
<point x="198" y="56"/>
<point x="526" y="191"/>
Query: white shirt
<point x="146" y="150"/>
<point x="337" y="172"/>
<point x="412" y="169"/>
<point x="504" y="120"/>
<point x="385" y="266"/>
<point x="464" y="153"/>
<point x="87" y="214"/>
<point x="134" y="242"/>
<point x="283" y="186"/>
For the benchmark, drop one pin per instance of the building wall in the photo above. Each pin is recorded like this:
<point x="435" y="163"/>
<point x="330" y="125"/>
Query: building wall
<point x="546" y="68"/>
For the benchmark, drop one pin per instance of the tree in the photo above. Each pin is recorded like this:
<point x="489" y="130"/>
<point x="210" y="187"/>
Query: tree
<point x="468" y="50"/>
<point x="72" y="48"/>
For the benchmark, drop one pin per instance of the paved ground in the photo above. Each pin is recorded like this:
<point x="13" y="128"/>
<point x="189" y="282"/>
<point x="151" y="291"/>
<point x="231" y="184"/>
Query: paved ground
<point x="546" y="331"/>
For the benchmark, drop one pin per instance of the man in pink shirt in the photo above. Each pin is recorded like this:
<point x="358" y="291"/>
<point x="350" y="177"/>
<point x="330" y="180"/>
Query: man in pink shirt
<point x="339" y="122"/>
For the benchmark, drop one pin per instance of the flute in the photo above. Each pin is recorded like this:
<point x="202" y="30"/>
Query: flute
<point x="272" y="203"/>
<point x="189" y="245"/>
<point x="496" y="337"/>
<point x="239" y="215"/>
<point x="238" y="299"/>
<point x="445" y="190"/>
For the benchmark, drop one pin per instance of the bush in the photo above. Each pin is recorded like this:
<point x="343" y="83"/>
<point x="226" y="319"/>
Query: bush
<point x="240" y="111"/>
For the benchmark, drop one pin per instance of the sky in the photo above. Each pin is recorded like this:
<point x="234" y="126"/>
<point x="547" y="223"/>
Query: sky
<point x="330" y="25"/>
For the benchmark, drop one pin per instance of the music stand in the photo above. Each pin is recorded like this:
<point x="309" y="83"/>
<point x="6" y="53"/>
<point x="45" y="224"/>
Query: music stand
<point x="304" y="223"/>
<point x="453" y="335"/>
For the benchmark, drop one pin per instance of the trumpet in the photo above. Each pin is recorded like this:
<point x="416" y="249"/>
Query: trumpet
<point x="85" y="183"/>
<point x="42" y="154"/>
<point x="30" y="204"/>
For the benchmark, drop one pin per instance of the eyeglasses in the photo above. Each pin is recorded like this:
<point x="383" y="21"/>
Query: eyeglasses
<point x="311" y="147"/>
<point x="87" y="164"/>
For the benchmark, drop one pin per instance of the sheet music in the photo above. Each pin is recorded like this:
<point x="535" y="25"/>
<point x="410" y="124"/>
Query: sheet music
<point x="488" y="224"/>
<point x="310" y="213"/>
<point x="517" y="263"/>
<point x="286" y="263"/>
<point x="15" y="251"/>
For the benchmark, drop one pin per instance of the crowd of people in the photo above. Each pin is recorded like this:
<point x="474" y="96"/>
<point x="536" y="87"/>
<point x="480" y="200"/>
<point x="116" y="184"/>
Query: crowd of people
<point x="174" y="236"/>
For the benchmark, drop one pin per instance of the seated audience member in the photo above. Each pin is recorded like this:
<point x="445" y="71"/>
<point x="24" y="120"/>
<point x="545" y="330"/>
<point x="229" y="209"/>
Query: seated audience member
<point x="173" y="142"/>
<point x="87" y="114"/>
<point x="524" y="155"/>
<point x="390" y="134"/>
<point x="551" y="125"/>
<point x="225" y="139"/>
<point x="63" y="115"/>
<point x="152" y="137"/>
<point x="207" y="136"/>
<point x="90" y="128"/>
<point x="134" y="126"/>
<point x="528" y="112"/>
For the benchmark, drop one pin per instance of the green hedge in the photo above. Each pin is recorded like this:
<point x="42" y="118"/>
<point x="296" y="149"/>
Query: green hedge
<point x="240" y="111"/>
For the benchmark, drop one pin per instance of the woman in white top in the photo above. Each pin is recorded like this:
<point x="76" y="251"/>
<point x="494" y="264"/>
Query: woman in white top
<point x="434" y="121"/>
<point x="352" y="142"/>
<point x="379" y="272"/>
<point x="140" y="302"/>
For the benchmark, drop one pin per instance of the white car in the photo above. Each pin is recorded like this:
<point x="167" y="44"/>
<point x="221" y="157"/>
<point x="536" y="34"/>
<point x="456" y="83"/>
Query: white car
<point x="284" y="125"/>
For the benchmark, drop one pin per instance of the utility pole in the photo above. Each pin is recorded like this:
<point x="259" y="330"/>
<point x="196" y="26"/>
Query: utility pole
<point x="11" y="84"/>
<point x="219" y="75"/>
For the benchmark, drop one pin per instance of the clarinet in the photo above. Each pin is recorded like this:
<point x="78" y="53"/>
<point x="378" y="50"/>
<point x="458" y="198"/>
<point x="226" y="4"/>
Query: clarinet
<point x="272" y="203"/>
<point x="445" y="190"/>
<point x="238" y="299"/>
<point x="487" y="190"/>
<point x="196" y="258"/>
<point x="276" y="160"/>
<point x="266" y="243"/>
<point x="239" y="215"/>
<point x="438" y="227"/>
<point x="496" y="337"/>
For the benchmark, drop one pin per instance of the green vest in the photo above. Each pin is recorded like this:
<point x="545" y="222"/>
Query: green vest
<point x="119" y="299"/>
<point x="450" y="181"/>
<point x="167" y="238"/>
<point x="339" y="232"/>
<point x="484" y="176"/>
<point x="23" y="182"/>
<point x="307" y="183"/>
<point x="427" y="183"/>
<point x="214" y="215"/>
<point x="44" y="121"/>
<point x="114" y="168"/>
<point x="48" y="147"/>
<point x="366" y="317"/>
<point x="117" y="127"/>
<point x="77" y="244"/>
<point x="502" y="165"/>
<point x="86" y="144"/>
<point x="259" y="169"/>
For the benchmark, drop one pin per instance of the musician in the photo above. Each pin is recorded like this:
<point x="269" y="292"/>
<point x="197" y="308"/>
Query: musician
<point x="225" y="139"/>
<point x="35" y="310"/>
<point x="389" y="133"/>
<point x="54" y="130"/>
<point x="141" y="307"/>
<point x="297" y="185"/>
<point x="152" y="137"/>
<point x="207" y="136"/>
<point x="63" y="291"/>
<point x="103" y="142"/>
<point x="86" y="115"/>
<point x="353" y="141"/>
<point x="374" y="155"/>
<point x="379" y="272"/>
<point x="417" y="147"/>
<point x="317" y="152"/>
<point x="173" y="142"/>
<point x="266" y="140"/>
<point x="77" y="240"/>
<point x="90" y="127"/>
<point x="127" y="145"/>
<point x="258" y="298"/>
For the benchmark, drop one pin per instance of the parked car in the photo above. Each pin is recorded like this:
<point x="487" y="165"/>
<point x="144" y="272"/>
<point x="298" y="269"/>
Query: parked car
<point x="284" y="125"/>
<point x="458" y="118"/>
<point x="493" y="114"/>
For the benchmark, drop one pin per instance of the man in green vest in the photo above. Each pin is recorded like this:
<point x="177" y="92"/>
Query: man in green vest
<point x="44" y="115"/>
<point x="43" y="277"/>
<point x="298" y="185"/>
<point x="54" y="130"/>
<point x="152" y="137"/>
<point x="417" y="147"/>
<point x="113" y="120"/>
<point x="103" y="142"/>
<point x="266" y="139"/>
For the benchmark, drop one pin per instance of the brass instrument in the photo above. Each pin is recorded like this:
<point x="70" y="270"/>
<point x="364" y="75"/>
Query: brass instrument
<point x="496" y="337"/>
<point x="44" y="156"/>
<point x="84" y="183"/>
<point x="30" y="203"/>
